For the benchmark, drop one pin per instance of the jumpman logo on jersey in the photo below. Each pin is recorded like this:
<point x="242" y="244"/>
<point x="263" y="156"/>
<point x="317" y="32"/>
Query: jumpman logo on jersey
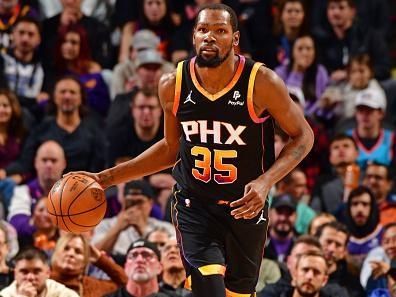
<point x="261" y="218"/>
<point x="188" y="99"/>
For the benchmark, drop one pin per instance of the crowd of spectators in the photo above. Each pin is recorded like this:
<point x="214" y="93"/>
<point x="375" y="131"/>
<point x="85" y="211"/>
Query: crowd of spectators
<point x="78" y="91"/>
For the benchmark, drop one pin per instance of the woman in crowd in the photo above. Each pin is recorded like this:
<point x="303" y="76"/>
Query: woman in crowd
<point x="303" y="71"/>
<point x="73" y="56"/>
<point x="38" y="229"/>
<point x="289" y="24"/>
<point x="70" y="260"/>
<point x="12" y="131"/>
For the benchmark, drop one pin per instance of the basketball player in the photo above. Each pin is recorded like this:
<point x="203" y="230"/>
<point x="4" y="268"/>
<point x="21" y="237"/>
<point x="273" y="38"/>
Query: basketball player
<point x="219" y="110"/>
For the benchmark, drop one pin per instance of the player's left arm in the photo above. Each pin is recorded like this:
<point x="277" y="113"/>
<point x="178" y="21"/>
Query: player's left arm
<point x="270" y="93"/>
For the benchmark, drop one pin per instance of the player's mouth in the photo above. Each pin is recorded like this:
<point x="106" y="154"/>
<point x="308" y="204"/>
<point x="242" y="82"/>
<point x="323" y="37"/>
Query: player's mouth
<point x="209" y="49"/>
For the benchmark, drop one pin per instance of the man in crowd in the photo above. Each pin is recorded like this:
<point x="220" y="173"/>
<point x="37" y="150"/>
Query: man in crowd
<point x="295" y="184"/>
<point x="281" y="233"/>
<point x="173" y="275"/>
<point x="143" y="268"/>
<point x="20" y="65"/>
<point x="379" y="179"/>
<point x="303" y="245"/>
<point x="115" y="234"/>
<point x="328" y="191"/>
<point x="374" y="141"/>
<point x="379" y="267"/>
<point x="363" y="223"/>
<point x="32" y="277"/>
<point x="333" y="238"/>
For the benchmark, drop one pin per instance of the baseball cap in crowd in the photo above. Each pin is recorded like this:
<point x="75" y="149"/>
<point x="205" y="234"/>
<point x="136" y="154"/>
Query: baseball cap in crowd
<point x="144" y="243"/>
<point x="148" y="56"/>
<point x="144" y="39"/>
<point x="372" y="98"/>
<point x="139" y="187"/>
<point x="284" y="200"/>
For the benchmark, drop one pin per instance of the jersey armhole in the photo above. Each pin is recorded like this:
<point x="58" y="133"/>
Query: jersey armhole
<point x="250" y="105"/>
<point x="176" y="99"/>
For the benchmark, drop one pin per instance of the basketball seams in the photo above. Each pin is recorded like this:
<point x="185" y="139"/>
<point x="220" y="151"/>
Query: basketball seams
<point x="87" y="226"/>
<point x="53" y="206"/>
<point x="78" y="195"/>
<point x="60" y="203"/>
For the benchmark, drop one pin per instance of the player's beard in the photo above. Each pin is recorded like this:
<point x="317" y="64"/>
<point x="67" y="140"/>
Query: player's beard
<point x="213" y="61"/>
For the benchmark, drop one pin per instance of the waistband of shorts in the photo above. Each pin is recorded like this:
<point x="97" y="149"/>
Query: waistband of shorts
<point x="195" y="196"/>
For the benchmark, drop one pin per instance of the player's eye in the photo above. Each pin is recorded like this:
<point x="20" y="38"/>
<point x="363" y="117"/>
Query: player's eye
<point x="221" y="31"/>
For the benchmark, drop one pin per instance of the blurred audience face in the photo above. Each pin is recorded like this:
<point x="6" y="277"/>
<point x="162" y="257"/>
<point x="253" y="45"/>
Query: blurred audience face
<point x="340" y="14"/>
<point x="360" y="209"/>
<point x="5" y="110"/>
<point x="367" y="117"/>
<point x="49" y="163"/>
<point x="170" y="256"/>
<point x="376" y="179"/>
<point x="71" y="46"/>
<point x="149" y="76"/>
<point x="389" y="242"/>
<point x="334" y="244"/>
<point x="141" y="203"/>
<point x="343" y="152"/>
<point x="146" y="111"/>
<point x="359" y="75"/>
<point x="159" y="237"/>
<point x="318" y="221"/>
<point x="298" y="185"/>
<point x="71" y="4"/>
<point x="34" y="272"/>
<point x="3" y="246"/>
<point x="298" y="250"/>
<point x="70" y="257"/>
<point x="26" y="37"/>
<point x="7" y="5"/>
<point x="67" y="96"/>
<point x="303" y="53"/>
<point x="41" y="218"/>
<point x="154" y="10"/>
<point x="142" y="265"/>
<point x="292" y="14"/>
<point x="311" y="275"/>
<point x="282" y="220"/>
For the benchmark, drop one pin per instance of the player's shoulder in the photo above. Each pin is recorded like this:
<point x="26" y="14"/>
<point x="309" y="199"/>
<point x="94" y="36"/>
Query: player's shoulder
<point x="168" y="80"/>
<point x="267" y="76"/>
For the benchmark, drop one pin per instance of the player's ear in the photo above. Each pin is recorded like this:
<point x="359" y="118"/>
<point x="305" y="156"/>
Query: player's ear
<point x="235" y="38"/>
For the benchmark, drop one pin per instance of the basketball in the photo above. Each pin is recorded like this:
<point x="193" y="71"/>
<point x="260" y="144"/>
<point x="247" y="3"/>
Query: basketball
<point x="76" y="203"/>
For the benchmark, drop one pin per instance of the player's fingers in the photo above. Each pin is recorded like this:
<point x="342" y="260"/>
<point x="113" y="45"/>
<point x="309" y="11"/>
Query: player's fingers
<point x="242" y="201"/>
<point x="246" y="209"/>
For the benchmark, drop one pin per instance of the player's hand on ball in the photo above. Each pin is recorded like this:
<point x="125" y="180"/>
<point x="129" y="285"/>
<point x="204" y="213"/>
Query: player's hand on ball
<point x="95" y="176"/>
<point x="250" y="205"/>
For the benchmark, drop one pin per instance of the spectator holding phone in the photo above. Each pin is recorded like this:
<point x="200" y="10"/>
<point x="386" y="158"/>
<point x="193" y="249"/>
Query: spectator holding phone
<point x="114" y="235"/>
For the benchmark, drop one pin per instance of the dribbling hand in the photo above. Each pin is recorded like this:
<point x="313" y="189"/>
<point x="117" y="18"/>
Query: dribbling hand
<point x="250" y="205"/>
<point x="95" y="176"/>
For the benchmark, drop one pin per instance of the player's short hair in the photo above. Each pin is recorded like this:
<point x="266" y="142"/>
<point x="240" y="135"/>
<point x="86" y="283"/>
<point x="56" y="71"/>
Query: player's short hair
<point x="223" y="7"/>
<point x="343" y="136"/>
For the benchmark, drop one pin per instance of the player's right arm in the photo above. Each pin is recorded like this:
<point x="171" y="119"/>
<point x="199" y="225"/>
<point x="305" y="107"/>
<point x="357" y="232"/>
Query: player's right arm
<point x="161" y="155"/>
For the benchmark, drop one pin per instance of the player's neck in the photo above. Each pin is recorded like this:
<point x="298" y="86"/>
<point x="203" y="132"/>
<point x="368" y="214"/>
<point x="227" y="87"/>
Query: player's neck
<point x="215" y="79"/>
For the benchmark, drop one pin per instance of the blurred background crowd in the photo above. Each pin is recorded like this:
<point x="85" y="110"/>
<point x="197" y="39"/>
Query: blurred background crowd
<point x="78" y="91"/>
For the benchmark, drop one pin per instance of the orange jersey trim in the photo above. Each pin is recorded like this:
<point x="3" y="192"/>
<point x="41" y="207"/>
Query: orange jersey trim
<point x="228" y="87"/>
<point x="250" y="104"/>
<point x="233" y="294"/>
<point x="212" y="269"/>
<point x="176" y="99"/>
